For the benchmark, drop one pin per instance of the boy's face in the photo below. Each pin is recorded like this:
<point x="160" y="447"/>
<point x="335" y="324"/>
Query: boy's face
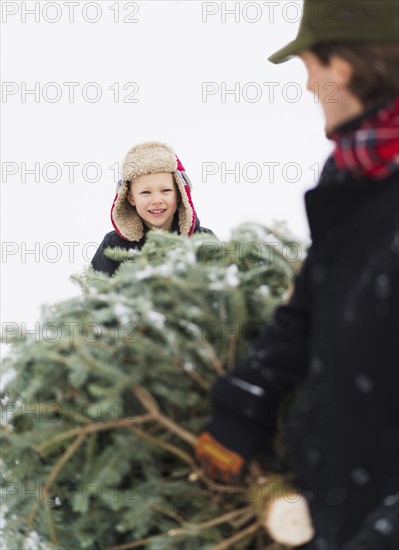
<point x="330" y="85"/>
<point x="155" y="199"/>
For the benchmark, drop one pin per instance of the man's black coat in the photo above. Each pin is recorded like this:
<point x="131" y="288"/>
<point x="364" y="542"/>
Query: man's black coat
<point x="336" y="345"/>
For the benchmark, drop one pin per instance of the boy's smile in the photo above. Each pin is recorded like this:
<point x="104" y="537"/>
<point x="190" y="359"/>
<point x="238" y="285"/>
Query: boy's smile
<point x="157" y="212"/>
<point x="155" y="198"/>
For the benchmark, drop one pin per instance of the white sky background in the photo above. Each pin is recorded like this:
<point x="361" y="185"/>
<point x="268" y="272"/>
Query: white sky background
<point x="173" y="49"/>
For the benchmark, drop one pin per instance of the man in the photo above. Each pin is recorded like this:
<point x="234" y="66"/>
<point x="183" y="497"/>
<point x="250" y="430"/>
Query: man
<point x="335" y="345"/>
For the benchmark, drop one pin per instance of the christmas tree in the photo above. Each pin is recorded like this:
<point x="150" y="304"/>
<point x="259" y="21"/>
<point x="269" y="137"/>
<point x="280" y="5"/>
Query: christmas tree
<point x="104" y="405"/>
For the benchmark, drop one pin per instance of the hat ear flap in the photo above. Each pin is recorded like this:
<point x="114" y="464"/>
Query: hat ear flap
<point x="179" y="197"/>
<point x="187" y="216"/>
<point x="125" y="219"/>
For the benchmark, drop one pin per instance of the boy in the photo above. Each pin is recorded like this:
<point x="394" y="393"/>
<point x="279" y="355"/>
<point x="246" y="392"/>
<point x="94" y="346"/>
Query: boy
<point x="335" y="344"/>
<point x="154" y="193"/>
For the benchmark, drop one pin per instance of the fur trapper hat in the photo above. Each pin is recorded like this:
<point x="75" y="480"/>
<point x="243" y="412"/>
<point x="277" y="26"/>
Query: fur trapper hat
<point x="151" y="157"/>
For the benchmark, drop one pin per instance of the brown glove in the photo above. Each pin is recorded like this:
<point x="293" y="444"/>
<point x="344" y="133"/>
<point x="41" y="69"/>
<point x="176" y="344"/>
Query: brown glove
<point x="218" y="462"/>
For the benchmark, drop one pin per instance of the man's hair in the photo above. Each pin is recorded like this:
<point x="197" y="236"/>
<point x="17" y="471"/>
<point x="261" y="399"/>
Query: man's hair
<point x="375" y="67"/>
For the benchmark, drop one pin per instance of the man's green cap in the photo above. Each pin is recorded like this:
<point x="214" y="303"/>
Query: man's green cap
<point x="334" y="20"/>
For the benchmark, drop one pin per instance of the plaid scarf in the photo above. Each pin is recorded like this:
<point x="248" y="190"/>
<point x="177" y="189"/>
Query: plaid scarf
<point x="370" y="148"/>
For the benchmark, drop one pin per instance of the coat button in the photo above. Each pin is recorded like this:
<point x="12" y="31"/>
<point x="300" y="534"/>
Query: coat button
<point x="382" y="286"/>
<point x="360" y="476"/>
<point x="383" y="526"/>
<point x="391" y="500"/>
<point x="364" y="383"/>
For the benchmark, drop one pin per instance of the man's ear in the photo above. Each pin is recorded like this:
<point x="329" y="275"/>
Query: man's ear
<point x="129" y="198"/>
<point x="342" y="69"/>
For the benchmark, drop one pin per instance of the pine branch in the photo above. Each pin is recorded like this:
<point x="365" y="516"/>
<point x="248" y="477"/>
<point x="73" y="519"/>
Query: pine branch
<point x="149" y="403"/>
<point x="211" y="523"/>
<point x="102" y="368"/>
<point x="135" y="544"/>
<point x="199" y="380"/>
<point x="203" y="344"/>
<point x="167" y="446"/>
<point x="50" y="523"/>
<point x="194" y="375"/>
<point x="177" y="517"/>
<point x="228" y="543"/>
<point x="92" y="428"/>
<point x="167" y="302"/>
<point x="216" y="364"/>
<point x="55" y="471"/>
<point x="200" y="474"/>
